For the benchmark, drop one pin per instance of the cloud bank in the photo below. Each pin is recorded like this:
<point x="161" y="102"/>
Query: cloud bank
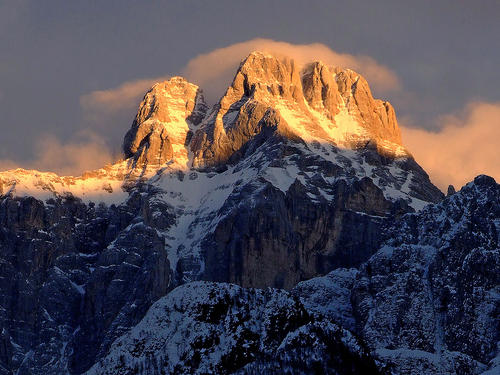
<point x="123" y="97"/>
<point x="87" y="151"/>
<point x="466" y="145"/>
<point x="214" y="71"/>
<point x="110" y="112"/>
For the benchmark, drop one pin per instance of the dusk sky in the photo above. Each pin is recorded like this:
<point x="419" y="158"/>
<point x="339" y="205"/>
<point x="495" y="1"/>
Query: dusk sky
<point x="72" y="72"/>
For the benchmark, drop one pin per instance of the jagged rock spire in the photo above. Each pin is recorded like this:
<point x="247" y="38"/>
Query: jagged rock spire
<point x="315" y="102"/>
<point x="164" y="123"/>
<point x="268" y="94"/>
<point x="328" y="89"/>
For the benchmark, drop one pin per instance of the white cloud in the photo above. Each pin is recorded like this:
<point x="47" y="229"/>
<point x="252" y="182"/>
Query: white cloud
<point x="123" y="97"/>
<point x="110" y="112"/>
<point x="87" y="151"/>
<point x="467" y="145"/>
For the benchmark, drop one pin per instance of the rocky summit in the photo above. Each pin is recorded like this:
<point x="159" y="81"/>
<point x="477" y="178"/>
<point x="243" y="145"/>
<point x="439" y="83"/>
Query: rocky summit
<point x="286" y="229"/>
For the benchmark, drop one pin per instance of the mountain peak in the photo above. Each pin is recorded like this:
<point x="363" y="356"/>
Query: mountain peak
<point x="316" y="103"/>
<point x="262" y="76"/>
<point x="324" y="108"/>
<point x="164" y="123"/>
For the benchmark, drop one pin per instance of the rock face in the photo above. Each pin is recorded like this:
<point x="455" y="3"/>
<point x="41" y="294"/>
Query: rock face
<point x="164" y="124"/>
<point x="295" y="172"/>
<point x="328" y="90"/>
<point x="319" y="102"/>
<point x="429" y="301"/>
<point x="75" y="277"/>
<point x="287" y="250"/>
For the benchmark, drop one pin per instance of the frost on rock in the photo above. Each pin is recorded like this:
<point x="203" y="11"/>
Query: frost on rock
<point x="429" y="301"/>
<point x="330" y="296"/>
<point x="218" y="328"/>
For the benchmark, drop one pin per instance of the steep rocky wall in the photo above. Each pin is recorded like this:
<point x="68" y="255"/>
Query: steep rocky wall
<point x="266" y="83"/>
<point x="285" y="238"/>
<point x="164" y="124"/>
<point x="70" y="275"/>
<point x="429" y="299"/>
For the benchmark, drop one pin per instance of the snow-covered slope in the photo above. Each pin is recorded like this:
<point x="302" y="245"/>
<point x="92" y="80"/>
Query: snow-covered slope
<point x="103" y="185"/>
<point x="211" y="328"/>
<point x="429" y="300"/>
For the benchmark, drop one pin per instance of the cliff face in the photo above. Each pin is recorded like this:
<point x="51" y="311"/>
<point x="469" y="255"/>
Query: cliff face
<point x="164" y="123"/>
<point x="316" y="102"/>
<point x="75" y="276"/>
<point x="427" y="302"/>
<point x="286" y="149"/>
<point x="294" y="172"/>
<point x="429" y="299"/>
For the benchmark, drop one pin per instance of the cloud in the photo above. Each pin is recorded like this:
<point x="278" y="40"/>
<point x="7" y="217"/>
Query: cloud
<point x="110" y="112"/>
<point x="125" y="96"/>
<point x="466" y="145"/>
<point x="87" y="151"/>
<point x="214" y="71"/>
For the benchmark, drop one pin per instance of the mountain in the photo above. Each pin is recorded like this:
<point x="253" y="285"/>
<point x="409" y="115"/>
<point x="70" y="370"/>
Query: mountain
<point x="223" y="328"/>
<point x="427" y="302"/>
<point x="429" y="299"/>
<point x="294" y="176"/>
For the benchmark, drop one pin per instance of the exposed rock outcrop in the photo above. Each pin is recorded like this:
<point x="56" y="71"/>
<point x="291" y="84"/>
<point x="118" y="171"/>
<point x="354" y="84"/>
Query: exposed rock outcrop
<point x="329" y="89"/>
<point x="429" y="300"/>
<point x="426" y="303"/>
<point x="319" y="102"/>
<point x="267" y="244"/>
<point x="164" y="124"/>
<point x="75" y="277"/>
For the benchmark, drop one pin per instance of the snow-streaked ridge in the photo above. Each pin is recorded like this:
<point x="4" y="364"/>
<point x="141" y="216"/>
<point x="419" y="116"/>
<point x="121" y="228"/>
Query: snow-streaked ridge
<point x="102" y="185"/>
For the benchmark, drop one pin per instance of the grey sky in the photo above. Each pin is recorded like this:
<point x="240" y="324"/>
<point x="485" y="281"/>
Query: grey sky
<point x="446" y="53"/>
